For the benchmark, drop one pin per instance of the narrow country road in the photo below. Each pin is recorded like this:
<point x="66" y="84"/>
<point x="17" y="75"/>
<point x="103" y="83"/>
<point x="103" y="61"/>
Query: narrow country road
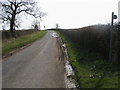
<point x="36" y="66"/>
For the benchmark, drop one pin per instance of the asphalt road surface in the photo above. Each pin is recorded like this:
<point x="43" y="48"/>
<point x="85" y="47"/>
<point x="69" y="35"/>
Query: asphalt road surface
<point x="36" y="66"/>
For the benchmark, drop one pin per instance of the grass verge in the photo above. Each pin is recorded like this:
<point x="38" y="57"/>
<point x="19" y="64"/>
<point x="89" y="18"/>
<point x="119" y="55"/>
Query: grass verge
<point x="13" y="44"/>
<point x="91" y="71"/>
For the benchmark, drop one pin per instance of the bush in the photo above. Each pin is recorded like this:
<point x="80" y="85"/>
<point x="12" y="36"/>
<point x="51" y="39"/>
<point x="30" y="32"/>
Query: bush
<point x="6" y="34"/>
<point x="96" y="39"/>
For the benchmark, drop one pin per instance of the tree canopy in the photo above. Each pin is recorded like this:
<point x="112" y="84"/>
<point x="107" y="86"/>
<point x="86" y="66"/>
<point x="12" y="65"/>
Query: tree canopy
<point x="10" y="9"/>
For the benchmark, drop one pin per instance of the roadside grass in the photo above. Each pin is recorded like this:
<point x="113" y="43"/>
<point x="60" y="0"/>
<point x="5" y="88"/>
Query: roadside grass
<point x="91" y="71"/>
<point x="13" y="44"/>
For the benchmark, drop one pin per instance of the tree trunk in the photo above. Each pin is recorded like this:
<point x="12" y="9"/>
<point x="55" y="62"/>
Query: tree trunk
<point x="12" y="26"/>
<point x="12" y="31"/>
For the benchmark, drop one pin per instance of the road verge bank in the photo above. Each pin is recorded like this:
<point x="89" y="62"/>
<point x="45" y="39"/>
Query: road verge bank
<point x="13" y="45"/>
<point x="91" y="71"/>
<point x="69" y="72"/>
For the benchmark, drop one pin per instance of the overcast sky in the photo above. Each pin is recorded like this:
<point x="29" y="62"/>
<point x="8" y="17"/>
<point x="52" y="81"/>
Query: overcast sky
<point x="75" y="13"/>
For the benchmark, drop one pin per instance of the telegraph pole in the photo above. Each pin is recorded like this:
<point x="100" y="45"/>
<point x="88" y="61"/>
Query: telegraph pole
<point x="111" y="29"/>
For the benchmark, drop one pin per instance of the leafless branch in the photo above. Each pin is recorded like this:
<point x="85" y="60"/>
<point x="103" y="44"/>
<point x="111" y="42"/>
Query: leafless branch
<point x="10" y="9"/>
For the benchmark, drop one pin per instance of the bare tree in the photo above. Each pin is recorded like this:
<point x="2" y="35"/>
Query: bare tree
<point x="56" y="25"/>
<point x="36" y="24"/>
<point x="9" y="9"/>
